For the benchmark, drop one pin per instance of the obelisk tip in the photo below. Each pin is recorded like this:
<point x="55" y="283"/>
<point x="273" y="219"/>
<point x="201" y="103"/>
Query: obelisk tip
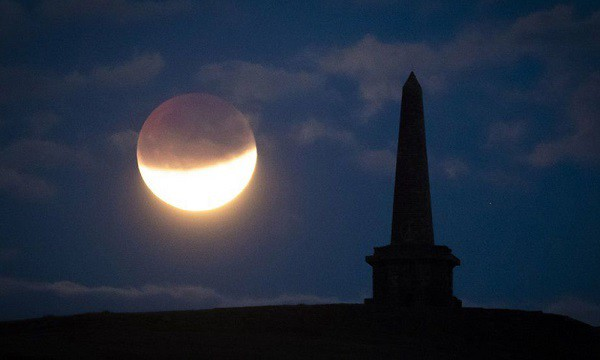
<point x="412" y="80"/>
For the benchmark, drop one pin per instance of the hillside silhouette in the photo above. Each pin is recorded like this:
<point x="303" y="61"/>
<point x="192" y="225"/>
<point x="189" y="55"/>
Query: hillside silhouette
<point x="345" y="331"/>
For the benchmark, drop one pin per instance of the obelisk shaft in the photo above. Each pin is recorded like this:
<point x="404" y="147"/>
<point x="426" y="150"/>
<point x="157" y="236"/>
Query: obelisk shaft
<point x="411" y="219"/>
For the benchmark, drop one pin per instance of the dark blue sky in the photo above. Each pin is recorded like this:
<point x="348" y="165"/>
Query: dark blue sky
<point x="512" y="94"/>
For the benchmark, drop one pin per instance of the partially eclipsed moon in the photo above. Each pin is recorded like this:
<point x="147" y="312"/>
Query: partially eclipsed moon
<point x="196" y="152"/>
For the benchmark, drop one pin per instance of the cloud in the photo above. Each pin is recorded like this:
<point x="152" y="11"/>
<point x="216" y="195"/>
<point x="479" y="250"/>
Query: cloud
<point x="123" y="11"/>
<point x="27" y="165"/>
<point x="581" y="143"/>
<point x="139" y="70"/>
<point x="381" y="161"/>
<point x="43" y="154"/>
<point x="25" y="186"/>
<point x="21" y="83"/>
<point x="247" y="83"/>
<point x="504" y="134"/>
<point x="448" y="167"/>
<point x="148" y="296"/>
<point x="22" y="161"/>
<point x="542" y="32"/>
<point x="453" y="168"/>
<point x="576" y="308"/>
<point x="380" y="68"/>
<point x="313" y="130"/>
<point x="377" y="160"/>
<point x="551" y="36"/>
<point x="124" y="141"/>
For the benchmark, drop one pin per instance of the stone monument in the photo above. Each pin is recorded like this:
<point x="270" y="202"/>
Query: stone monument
<point x="412" y="270"/>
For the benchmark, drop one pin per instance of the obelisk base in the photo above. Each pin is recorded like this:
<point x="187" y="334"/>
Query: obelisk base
<point x="413" y="275"/>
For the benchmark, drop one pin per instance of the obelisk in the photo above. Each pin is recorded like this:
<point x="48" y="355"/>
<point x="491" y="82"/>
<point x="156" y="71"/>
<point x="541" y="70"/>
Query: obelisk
<point x="411" y="218"/>
<point x="412" y="270"/>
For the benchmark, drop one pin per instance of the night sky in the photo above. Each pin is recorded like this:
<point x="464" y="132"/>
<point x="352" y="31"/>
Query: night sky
<point x="512" y="111"/>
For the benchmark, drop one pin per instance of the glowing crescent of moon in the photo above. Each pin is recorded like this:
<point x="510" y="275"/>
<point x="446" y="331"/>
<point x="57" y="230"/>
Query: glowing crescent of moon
<point x="204" y="188"/>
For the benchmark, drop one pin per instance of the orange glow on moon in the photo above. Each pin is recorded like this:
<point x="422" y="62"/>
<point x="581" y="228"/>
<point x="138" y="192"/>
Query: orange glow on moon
<point x="196" y="152"/>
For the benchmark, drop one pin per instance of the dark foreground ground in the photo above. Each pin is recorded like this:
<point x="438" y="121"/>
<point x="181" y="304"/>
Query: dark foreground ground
<point x="304" y="332"/>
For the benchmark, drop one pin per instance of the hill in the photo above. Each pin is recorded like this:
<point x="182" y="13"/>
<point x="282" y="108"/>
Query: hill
<point x="346" y="331"/>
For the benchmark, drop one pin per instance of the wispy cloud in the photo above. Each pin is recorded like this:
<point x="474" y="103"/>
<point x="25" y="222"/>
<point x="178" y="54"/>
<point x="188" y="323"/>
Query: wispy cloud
<point x="581" y="142"/>
<point x="250" y="83"/>
<point x="27" y="164"/>
<point x="136" y="71"/>
<point x="19" y="83"/>
<point x="312" y="130"/>
<point x="149" y="296"/>
<point x="22" y="161"/>
<point x="549" y="36"/>
<point x="25" y="186"/>
<point x="380" y="68"/>
<point x="42" y="154"/>
<point x="452" y="168"/>
<point x="124" y="141"/>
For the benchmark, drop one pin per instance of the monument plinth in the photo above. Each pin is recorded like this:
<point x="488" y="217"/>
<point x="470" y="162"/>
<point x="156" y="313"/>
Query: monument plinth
<point x="412" y="270"/>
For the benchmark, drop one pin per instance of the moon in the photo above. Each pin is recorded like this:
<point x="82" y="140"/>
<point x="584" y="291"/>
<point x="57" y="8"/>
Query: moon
<point x="196" y="152"/>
